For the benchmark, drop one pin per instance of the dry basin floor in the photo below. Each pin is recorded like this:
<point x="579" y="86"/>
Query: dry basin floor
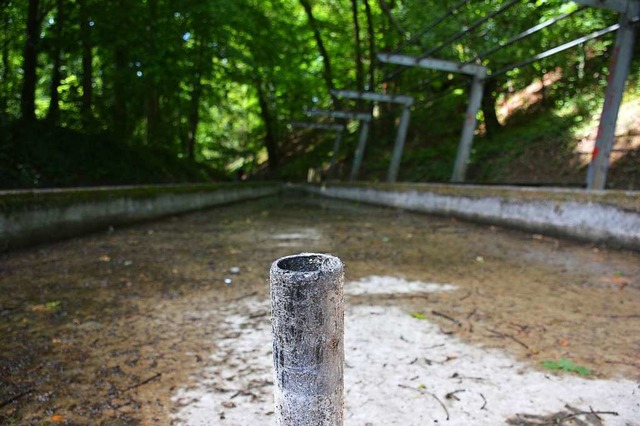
<point x="446" y="322"/>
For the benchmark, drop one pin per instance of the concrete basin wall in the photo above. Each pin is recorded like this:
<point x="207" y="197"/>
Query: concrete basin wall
<point x="611" y="217"/>
<point x="30" y="217"/>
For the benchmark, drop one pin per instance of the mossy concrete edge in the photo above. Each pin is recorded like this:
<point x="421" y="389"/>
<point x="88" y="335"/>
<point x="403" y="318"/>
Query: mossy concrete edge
<point x="32" y="217"/>
<point x="609" y="217"/>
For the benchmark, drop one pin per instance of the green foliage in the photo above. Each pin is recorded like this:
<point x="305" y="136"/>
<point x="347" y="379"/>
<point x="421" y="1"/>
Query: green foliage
<point x="566" y="365"/>
<point x="40" y="155"/>
<point x="217" y="81"/>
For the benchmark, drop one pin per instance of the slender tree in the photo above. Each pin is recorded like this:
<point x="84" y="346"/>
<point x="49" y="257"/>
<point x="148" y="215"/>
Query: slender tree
<point x="87" y="64"/>
<point x="372" y="45"/>
<point x="6" y="51"/>
<point x="267" y="117"/>
<point x="328" y="74"/>
<point x="53" y="114"/>
<point x="386" y="8"/>
<point x="356" y="48"/>
<point x="30" y="62"/>
<point x="151" y="76"/>
<point x="491" y="123"/>
<point x="196" y="94"/>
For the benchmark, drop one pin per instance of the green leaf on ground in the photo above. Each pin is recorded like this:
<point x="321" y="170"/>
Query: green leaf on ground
<point x="418" y="315"/>
<point x="566" y="365"/>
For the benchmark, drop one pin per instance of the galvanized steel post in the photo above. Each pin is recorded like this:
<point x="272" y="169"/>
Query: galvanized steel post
<point x="618" y="71"/>
<point x="469" y="126"/>
<point x="308" y="339"/>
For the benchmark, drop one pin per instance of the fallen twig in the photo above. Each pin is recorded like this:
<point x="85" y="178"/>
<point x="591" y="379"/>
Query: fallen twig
<point x="15" y="398"/>
<point x="452" y="395"/>
<point x="472" y="313"/>
<point x="443" y="406"/>
<point x="465" y="296"/>
<point x="485" y="402"/>
<point x="434" y="346"/>
<point x="632" y="364"/>
<point x="457" y="375"/>
<point x="560" y="418"/>
<point x="144" y="382"/>
<point x="235" y="299"/>
<point x="445" y="316"/>
<point x="508" y="336"/>
<point x="577" y="413"/>
<point x="422" y="391"/>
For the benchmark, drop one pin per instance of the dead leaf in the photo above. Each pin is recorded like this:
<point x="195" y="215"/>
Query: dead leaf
<point x="104" y="258"/>
<point x="563" y="342"/>
<point x="57" y="418"/>
<point x="229" y="404"/>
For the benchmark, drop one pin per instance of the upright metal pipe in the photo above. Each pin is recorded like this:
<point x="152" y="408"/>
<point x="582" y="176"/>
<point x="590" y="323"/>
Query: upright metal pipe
<point x="469" y="126"/>
<point x="308" y="339"/>
<point x="618" y="72"/>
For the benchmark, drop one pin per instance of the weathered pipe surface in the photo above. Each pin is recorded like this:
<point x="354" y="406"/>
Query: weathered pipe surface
<point x="307" y="312"/>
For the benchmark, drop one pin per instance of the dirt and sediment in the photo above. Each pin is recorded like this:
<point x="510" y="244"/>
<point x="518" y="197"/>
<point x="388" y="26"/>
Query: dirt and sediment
<point x="107" y="329"/>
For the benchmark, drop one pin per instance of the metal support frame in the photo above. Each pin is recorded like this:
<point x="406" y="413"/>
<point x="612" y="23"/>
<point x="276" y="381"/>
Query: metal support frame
<point x="364" y="119"/>
<point x="317" y="126"/>
<point x="479" y="74"/>
<point x="527" y="33"/>
<point x="431" y="63"/>
<point x="629" y="17"/>
<point x="469" y="126"/>
<point x="618" y="71"/>
<point x="405" y="117"/>
<point x="556" y="50"/>
<point x="347" y="115"/>
<point x="467" y="29"/>
<point x="338" y="128"/>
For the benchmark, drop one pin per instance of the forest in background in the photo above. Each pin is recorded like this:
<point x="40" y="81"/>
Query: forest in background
<point x="149" y="91"/>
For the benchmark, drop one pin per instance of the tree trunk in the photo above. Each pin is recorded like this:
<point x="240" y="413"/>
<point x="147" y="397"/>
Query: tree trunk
<point x="491" y="123"/>
<point x="372" y="46"/>
<point x="327" y="74"/>
<point x="53" y="114"/>
<point x="196" y="94"/>
<point x="4" y="96"/>
<point x="153" y="97"/>
<point x="87" y="65"/>
<point x="386" y="8"/>
<point x="119" y="97"/>
<point x="28" y="99"/>
<point x="194" y="118"/>
<point x="357" y="51"/>
<point x="269" y="137"/>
